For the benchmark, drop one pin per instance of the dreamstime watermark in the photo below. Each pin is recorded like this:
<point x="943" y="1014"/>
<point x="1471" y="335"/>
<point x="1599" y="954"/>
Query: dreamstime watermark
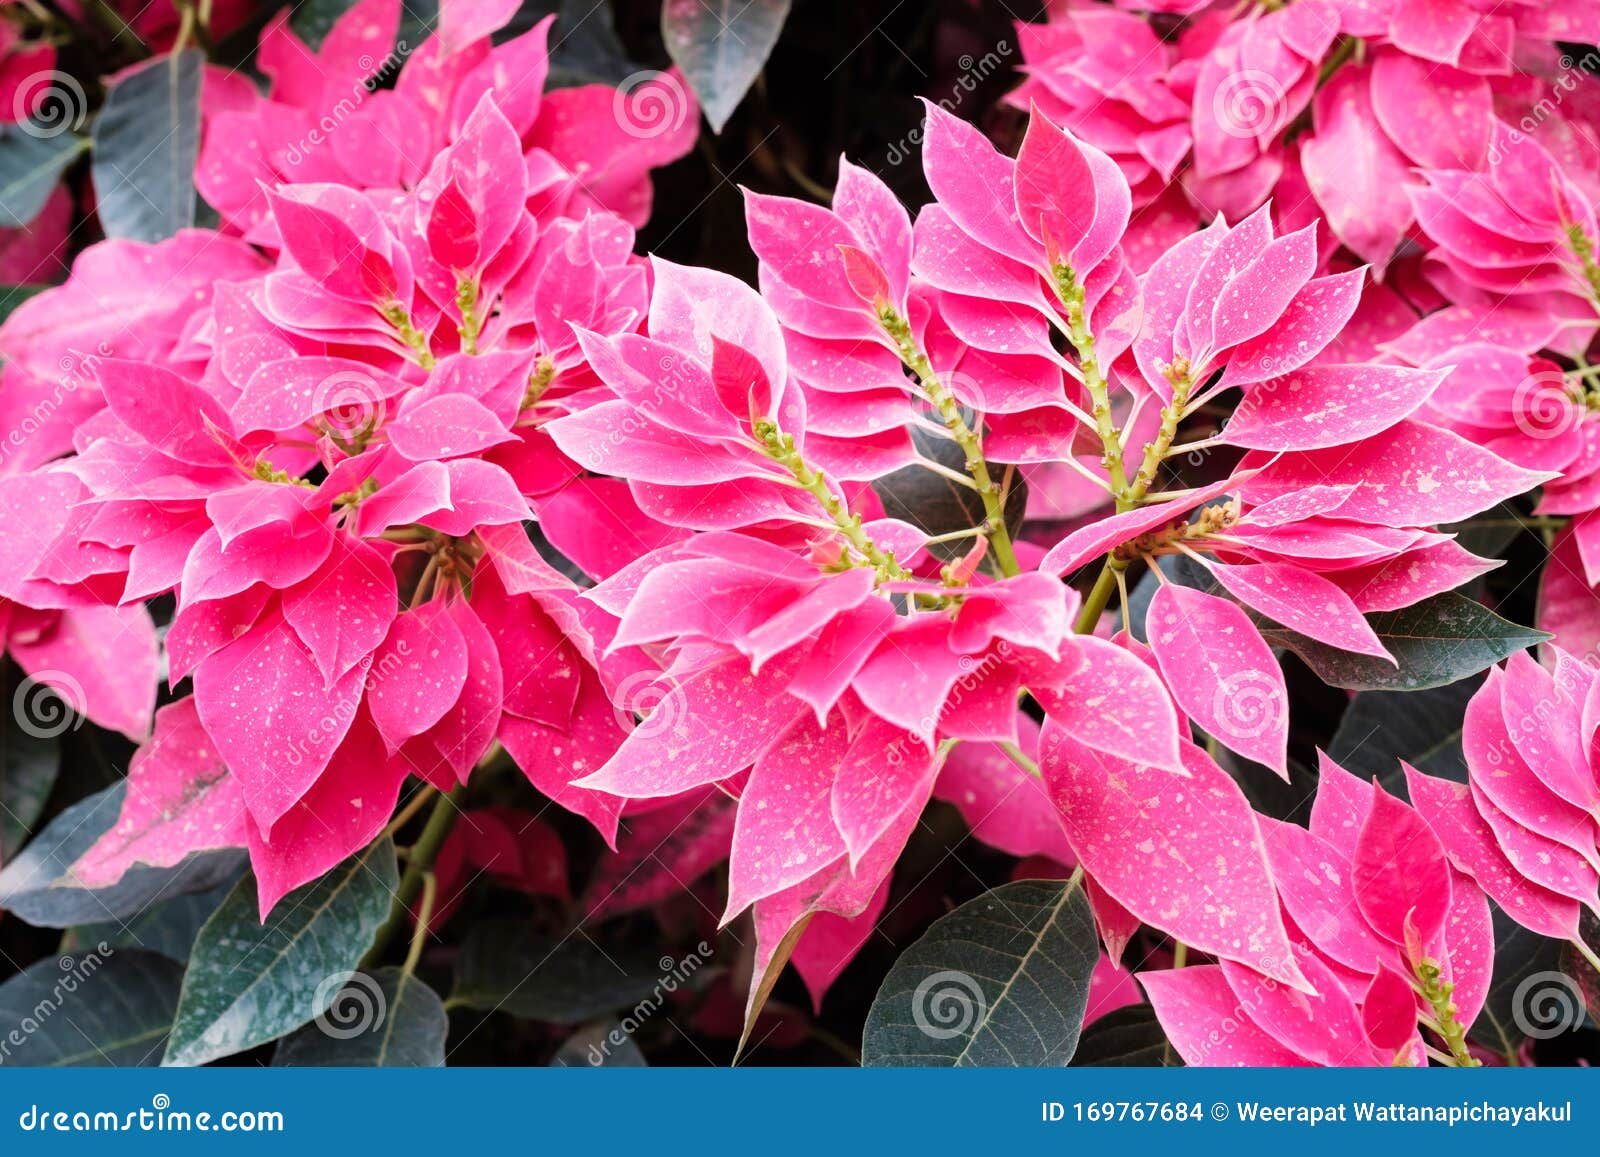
<point x="48" y="704"/>
<point x="1544" y="405"/>
<point x="1248" y="704"/>
<point x="332" y="726"/>
<point x="49" y="104"/>
<point x="350" y="404"/>
<point x="1547" y="1004"/>
<point x="974" y="71"/>
<point x="158" y="1117"/>
<point x="1574" y="72"/>
<point x="352" y="1004"/>
<point x="648" y="702"/>
<point x="948" y="1004"/>
<point x="375" y="74"/>
<point x="75" y="972"/>
<point x="1249" y="104"/>
<point x="651" y="104"/>
<point x="675" y="974"/>
<point x="77" y="371"/>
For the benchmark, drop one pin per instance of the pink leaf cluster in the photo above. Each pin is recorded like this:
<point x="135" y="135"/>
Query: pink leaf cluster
<point x="1374" y="906"/>
<point x="1524" y="824"/>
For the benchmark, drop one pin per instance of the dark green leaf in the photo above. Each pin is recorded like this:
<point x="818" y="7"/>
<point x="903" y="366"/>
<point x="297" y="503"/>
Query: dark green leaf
<point x="37" y="887"/>
<point x="106" y="1006"/>
<point x="30" y="758"/>
<point x="384" y="1020"/>
<point x="506" y="966"/>
<point x="1439" y="641"/>
<point x="1128" y="1036"/>
<point x="169" y="927"/>
<point x="1380" y="728"/>
<point x="249" y="982"/>
<point x="12" y="296"/>
<point x="314" y="19"/>
<point x="32" y="159"/>
<point x="721" y="46"/>
<point x="1002" y="981"/>
<point x="1487" y="535"/>
<point x="146" y="142"/>
<point x="604" y="1044"/>
<point x="936" y="505"/>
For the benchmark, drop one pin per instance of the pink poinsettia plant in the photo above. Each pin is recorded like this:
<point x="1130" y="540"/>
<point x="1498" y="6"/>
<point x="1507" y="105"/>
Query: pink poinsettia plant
<point x="413" y="501"/>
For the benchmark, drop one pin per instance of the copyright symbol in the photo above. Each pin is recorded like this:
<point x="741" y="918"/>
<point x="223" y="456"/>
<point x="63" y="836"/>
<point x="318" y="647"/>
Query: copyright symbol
<point x="1219" y="1112"/>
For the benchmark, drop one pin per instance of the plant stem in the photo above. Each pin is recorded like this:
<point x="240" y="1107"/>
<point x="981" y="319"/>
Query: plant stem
<point x="1021" y="758"/>
<point x="419" y="938"/>
<point x="1094" y="606"/>
<point x="781" y="449"/>
<point x="1094" y="381"/>
<point x="418" y="865"/>
<point x="948" y="408"/>
<point x="1156" y="452"/>
<point x="1437" y="992"/>
<point x="1587" y="953"/>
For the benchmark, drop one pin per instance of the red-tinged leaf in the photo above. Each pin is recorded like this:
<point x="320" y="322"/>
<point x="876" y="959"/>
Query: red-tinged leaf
<point x="1389" y="1012"/>
<point x="1471" y="845"/>
<point x="342" y="813"/>
<point x="831" y="942"/>
<point x="1221" y="672"/>
<point x="345" y="610"/>
<point x="663" y="850"/>
<point x="554" y="758"/>
<point x="785" y="829"/>
<point x="1055" y="189"/>
<point x="1195" y="1006"/>
<point x="1182" y="854"/>
<point x="1115" y="703"/>
<point x="1321" y="406"/>
<point x="1006" y="806"/>
<point x="1412" y="475"/>
<point x="1303" y="601"/>
<point x="180" y="799"/>
<point x="1400" y="873"/>
<point x="1357" y="176"/>
<point x="261" y="701"/>
<point x="418" y="673"/>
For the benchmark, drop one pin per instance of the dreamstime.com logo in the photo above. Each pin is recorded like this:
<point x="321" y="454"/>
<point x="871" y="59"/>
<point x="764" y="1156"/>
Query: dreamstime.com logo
<point x="1547" y="1004"/>
<point x="159" y="1117"/>
<point x="948" y="1004"/>
<point x="352" y="1004"/>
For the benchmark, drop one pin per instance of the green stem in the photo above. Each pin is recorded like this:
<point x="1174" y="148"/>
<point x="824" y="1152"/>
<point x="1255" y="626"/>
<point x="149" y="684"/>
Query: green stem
<point x="1437" y="992"/>
<point x="419" y="864"/>
<point x="419" y="938"/>
<point x="1095" y="604"/>
<point x="1156" y="452"/>
<point x="948" y="407"/>
<point x="1586" y="952"/>
<point x="781" y="449"/>
<point x="1079" y="334"/>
